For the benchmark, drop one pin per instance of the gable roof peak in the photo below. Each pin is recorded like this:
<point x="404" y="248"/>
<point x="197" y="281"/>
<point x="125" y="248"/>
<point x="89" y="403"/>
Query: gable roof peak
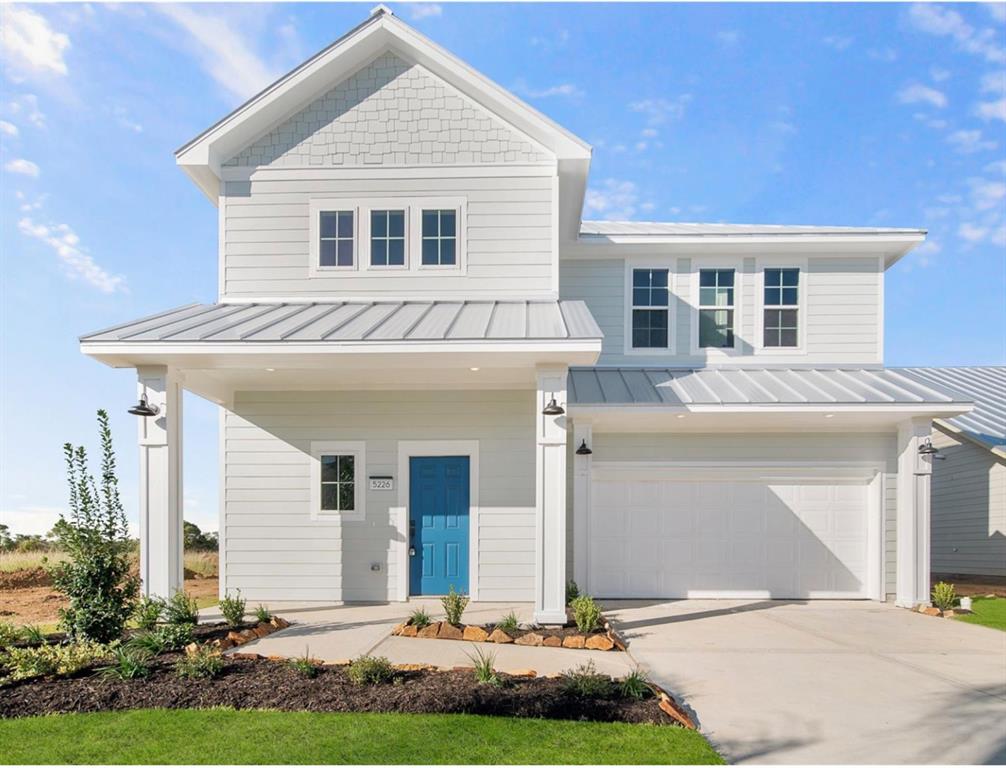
<point x="380" y="10"/>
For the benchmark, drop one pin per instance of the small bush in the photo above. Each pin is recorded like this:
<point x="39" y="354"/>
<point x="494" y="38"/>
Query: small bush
<point x="201" y="663"/>
<point x="305" y="665"/>
<point x="148" y="612"/>
<point x="262" y="614"/>
<point x="587" y="682"/>
<point x="944" y="596"/>
<point x="485" y="671"/>
<point x="233" y="609"/>
<point x="9" y="634"/>
<point x="370" y="670"/>
<point x="454" y="605"/>
<point x="24" y="663"/>
<point x="635" y="685"/>
<point x="420" y="618"/>
<point x="181" y="609"/>
<point x="572" y="591"/>
<point x="33" y="634"/>
<point x="509" y="623"/>
<point x="170" y="637"/>
<point x="586" y="614"/>
<point x="128" y="663"/>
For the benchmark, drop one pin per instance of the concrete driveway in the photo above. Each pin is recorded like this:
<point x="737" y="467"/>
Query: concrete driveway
<point x="826" y="682"/>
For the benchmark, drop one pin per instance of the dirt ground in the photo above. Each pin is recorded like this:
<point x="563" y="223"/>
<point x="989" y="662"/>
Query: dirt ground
<point x="966" y="584"/>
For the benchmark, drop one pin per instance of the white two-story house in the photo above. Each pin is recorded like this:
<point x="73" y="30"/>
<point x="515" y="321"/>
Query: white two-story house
<point x="432" y="373"/>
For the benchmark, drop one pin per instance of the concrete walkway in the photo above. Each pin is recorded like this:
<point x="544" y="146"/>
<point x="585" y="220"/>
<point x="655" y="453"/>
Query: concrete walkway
<point x="337" y="632"/>
<point x="826" y="682"/>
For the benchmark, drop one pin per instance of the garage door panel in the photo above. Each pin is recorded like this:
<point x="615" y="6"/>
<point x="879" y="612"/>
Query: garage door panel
<point x="726" y="537"/>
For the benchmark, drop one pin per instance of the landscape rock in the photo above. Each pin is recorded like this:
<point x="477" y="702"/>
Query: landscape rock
<point x="191" y="649"/>
<point x="430" y="630"/>
<point x="409" y="630"/>
<point x="619" y="643"/>
<point x="236" y="638"/>
<point x="339" y="663"/>
<point x="449" y="632"/>
<point x="474" y="634"/>
<point x="522" y="673"/>
<point x="668" y="705"/>
<point x="573" y="641"/>
<point x="397" y="629"/>
<point x="414" y="667"/>
<point x="552" y="641"/>
<point x="598" y="643"/>
<point x="279" y="623"/>
<point x="223" y="644"/>
<point x="274" y="657"/>
<point x="246" y="656"/>
<point x="948" y="614"/>
<point x="931" y="611"/>
<point x="499" y="636"/>
<point x="248" y="635"/>
<point x="531" y="638"/>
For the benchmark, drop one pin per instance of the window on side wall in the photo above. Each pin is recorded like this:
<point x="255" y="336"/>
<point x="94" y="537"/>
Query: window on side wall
<point x="716" y="308"/>
<point x="439" y="237"/>
<point x="387" y="238"/>
<point x="650" y="302"/>
<point x="336" y="239"/>
<point x="337" y="477"/>
<point x="781" y="313"/>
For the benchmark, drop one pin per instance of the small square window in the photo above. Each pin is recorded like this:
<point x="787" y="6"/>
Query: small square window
<point x="387" y="238"/>
<point x="650" y="301"/>
<point x="338" y="483"/>
<point x="335" y="229"/>
<point x="439" y="237"/>
<point x="781" y="314"/>
<point x="716" y="308"/>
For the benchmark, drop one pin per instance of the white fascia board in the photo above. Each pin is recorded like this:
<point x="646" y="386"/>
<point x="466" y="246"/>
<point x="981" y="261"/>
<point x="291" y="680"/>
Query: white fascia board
<point x="908" y="409"/>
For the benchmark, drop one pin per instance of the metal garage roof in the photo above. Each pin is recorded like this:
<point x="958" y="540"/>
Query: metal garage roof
<point x="684" y="229"/>
<point x="359" y="321"/>
<point x="986" y="387"/>
<point x="756" y="387"/>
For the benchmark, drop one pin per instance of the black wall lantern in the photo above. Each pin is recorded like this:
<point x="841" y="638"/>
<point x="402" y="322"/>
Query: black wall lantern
<point x="926" y="448"/>
<point x="143" y="408"/>
<point x="553" y="408"/>
<point x="583" y="450"/>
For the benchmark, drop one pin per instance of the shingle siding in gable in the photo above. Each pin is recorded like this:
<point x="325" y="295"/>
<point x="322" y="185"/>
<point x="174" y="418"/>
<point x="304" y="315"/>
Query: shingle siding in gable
<point x="391" y="112"/>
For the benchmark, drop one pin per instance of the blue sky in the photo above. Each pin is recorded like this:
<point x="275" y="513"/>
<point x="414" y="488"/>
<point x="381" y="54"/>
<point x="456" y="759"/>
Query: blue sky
<point x="890" y="115"/>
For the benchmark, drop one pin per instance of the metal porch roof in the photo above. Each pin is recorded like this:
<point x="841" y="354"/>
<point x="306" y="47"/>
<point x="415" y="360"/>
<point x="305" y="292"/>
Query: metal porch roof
<point x="755" y="387"/>
<point x="688" y="229"/>
<point x="986" y="387"/>
<point x="360" y="321"/>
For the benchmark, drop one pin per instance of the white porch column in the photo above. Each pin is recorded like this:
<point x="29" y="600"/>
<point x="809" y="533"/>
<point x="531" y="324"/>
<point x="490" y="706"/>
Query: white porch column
<point x="550" y="501"/>
<point x="160" y="439"/>
<point x="582" y="431"/>
<point x="914" y="472"/>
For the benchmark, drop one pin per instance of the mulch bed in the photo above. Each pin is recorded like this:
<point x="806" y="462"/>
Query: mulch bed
<point x="260" y="684"/>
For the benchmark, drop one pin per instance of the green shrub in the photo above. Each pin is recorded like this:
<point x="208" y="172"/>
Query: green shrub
<point x="96" y="577"/>
<point x="33" y="634"/>
<point x="944" y="596"/>
<point x="509" y="623"/>
<point x="485" y="671"/>
<point x="305" y="665"/>
<point x="262" y="614"/>
<point x="169" y="637"/>
<point x="587" y="682"/>
<point x="148" y="612"/>
<point x="181" y="609"/>
<point x="635" y="685"/>
<point x="9" y="634"/>
<point x="420" y="618"/>
<point x="370" y="670"/>
<point x="586" y="614"/>
<point x="23" y="663"/>
<point x="128" y="663"/>
<point x="201" y="663"/>
<point x="572" y="591"/>
<point x="233" y="609"/>
<point x="454" y="605"/>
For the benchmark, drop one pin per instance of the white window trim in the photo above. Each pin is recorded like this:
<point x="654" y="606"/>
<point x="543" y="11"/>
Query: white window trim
<point x="773" y="262"/>
<point x="413" y="207"/>
<point x="356" y="448"/>
<point x="670" y="264"/>
<point x="315" y="208"/>
<point x="698" y="265"/>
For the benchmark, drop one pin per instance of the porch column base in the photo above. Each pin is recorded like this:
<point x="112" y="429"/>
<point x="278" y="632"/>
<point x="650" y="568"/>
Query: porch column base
<point x="550" y="617"/>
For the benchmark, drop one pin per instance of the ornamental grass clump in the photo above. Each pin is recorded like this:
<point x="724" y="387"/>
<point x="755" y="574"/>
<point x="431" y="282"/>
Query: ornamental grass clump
<point x="181" y="609"/>
<point x="485" y="667"/>
<point x="454" y="605"/>
<point x="305" y="665"/>
<point x="420" y="618"/>
<point x="233" y="609"/>
<point x="201" y="662"/>
<point x="586" y="614"/>
<point x="148" y="612"/>
<point x="635" y="686"/>
<point x="370" y="670"/>
<point x="128" y="663"/>
<point x="944" y="595"/>
<point x="262" y="614"/>
<point x="585" y="681"/>
<point x="168" y="637"/>
<point x="95" y="578"/>
<point x="509" y="623"/>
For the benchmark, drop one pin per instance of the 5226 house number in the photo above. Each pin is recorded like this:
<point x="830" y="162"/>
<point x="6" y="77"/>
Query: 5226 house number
<point x="383" y="483"/>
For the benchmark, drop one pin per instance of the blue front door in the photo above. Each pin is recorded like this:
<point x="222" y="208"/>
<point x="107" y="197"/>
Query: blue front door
<point x="438" y="524"/>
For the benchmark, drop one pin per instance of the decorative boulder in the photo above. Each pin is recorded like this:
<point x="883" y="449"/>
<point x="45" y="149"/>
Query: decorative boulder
<point x="246" y="656"/>
<point x="598" y="643"/>
<point x="430" y="630"/>
<point x="531" y="638"/>
<point x="236" y="638"/>
<point x="499" y="636"/>
<point x="397" y="629"/>
<point x="409" y="630"/>
<point x="931" y="611"/>
<point x="573" y="641"/>
<point x="449" y="632"/>
<point x="475" y="634"/>
<point x="279" y="623"/>
<point x="552" y="641"/>
<point x="668" y="705"/>
<point x="522" y="673"/>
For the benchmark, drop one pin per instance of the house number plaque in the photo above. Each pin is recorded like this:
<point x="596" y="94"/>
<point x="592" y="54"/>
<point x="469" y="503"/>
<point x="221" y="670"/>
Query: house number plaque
<point x="382" y="483"/>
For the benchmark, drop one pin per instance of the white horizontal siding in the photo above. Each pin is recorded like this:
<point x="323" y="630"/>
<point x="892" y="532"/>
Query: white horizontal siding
<point x="266" y="250"/>
<point x="275" y="551"/>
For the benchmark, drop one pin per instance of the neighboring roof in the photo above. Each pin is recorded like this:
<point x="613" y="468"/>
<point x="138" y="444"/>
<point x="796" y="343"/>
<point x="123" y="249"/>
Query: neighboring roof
<point x="686" y="229"/>
<point x="686" y="388"/>
<point x="986" y="387"/>
<point x="384" y="321"/>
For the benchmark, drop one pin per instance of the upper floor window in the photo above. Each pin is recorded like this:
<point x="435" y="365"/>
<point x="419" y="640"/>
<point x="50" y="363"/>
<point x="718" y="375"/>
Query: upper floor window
<point x="336" y="239"/>
<point x="440" y="237"/>
<point x="387" y="238"/>
<point x="782" y="307"/>
<point x="716" y="308"/>
<point x="650" y="301"/>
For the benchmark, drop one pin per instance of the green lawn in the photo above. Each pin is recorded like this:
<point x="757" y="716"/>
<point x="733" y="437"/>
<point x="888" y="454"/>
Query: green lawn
<point x="223" y="736"/>
<point x="988" y="611"/>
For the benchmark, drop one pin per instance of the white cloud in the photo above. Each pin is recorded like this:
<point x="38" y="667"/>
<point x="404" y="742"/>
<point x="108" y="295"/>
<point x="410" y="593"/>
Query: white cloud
<point x="916" y="92"/>
<point x="986" y="195"/>
<point x="8" y="129"/>
<point x="969" y="142"/>
<point x="943" y="22"/>
<point x="883" y="54"/>
<point x="419" y="11"/>
<point x="28" y="206"/>
<point x="939" y="74"/>
<point x="223" y="53"/>
<point x="551" y="43"/>
<point x="30" y="44"/>
<point x="649" y="132"/>
<point x="76" y="262"/>
<point x="661" y="110"/>
<point x="924" y="253"/>
<point x="647" y="207"/>
<point x="994" y="83"/>
<point x="27" y="106"/>
<point x="31" y="520"/>
<point x="21" y="166"/>
<point x="613" y="199"/>
<point x="932" y="122"/>
<point x="838" y="42"/>
<point x="122" y="118"/>
<point x="973" y="233"/>
<point x="999" y="166"/>
<point x="728" y="37"/>
<point x="997" y="9"/>
<point x="562" y="89"/>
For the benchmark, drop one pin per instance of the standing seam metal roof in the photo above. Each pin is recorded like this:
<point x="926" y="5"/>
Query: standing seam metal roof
<point x="688" y="229"/>
<point x="985" y="386"/>
<point x="360" y="321"/>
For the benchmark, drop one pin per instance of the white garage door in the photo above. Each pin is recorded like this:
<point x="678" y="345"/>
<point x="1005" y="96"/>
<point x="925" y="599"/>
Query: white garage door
<point x="720" y="536"/>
